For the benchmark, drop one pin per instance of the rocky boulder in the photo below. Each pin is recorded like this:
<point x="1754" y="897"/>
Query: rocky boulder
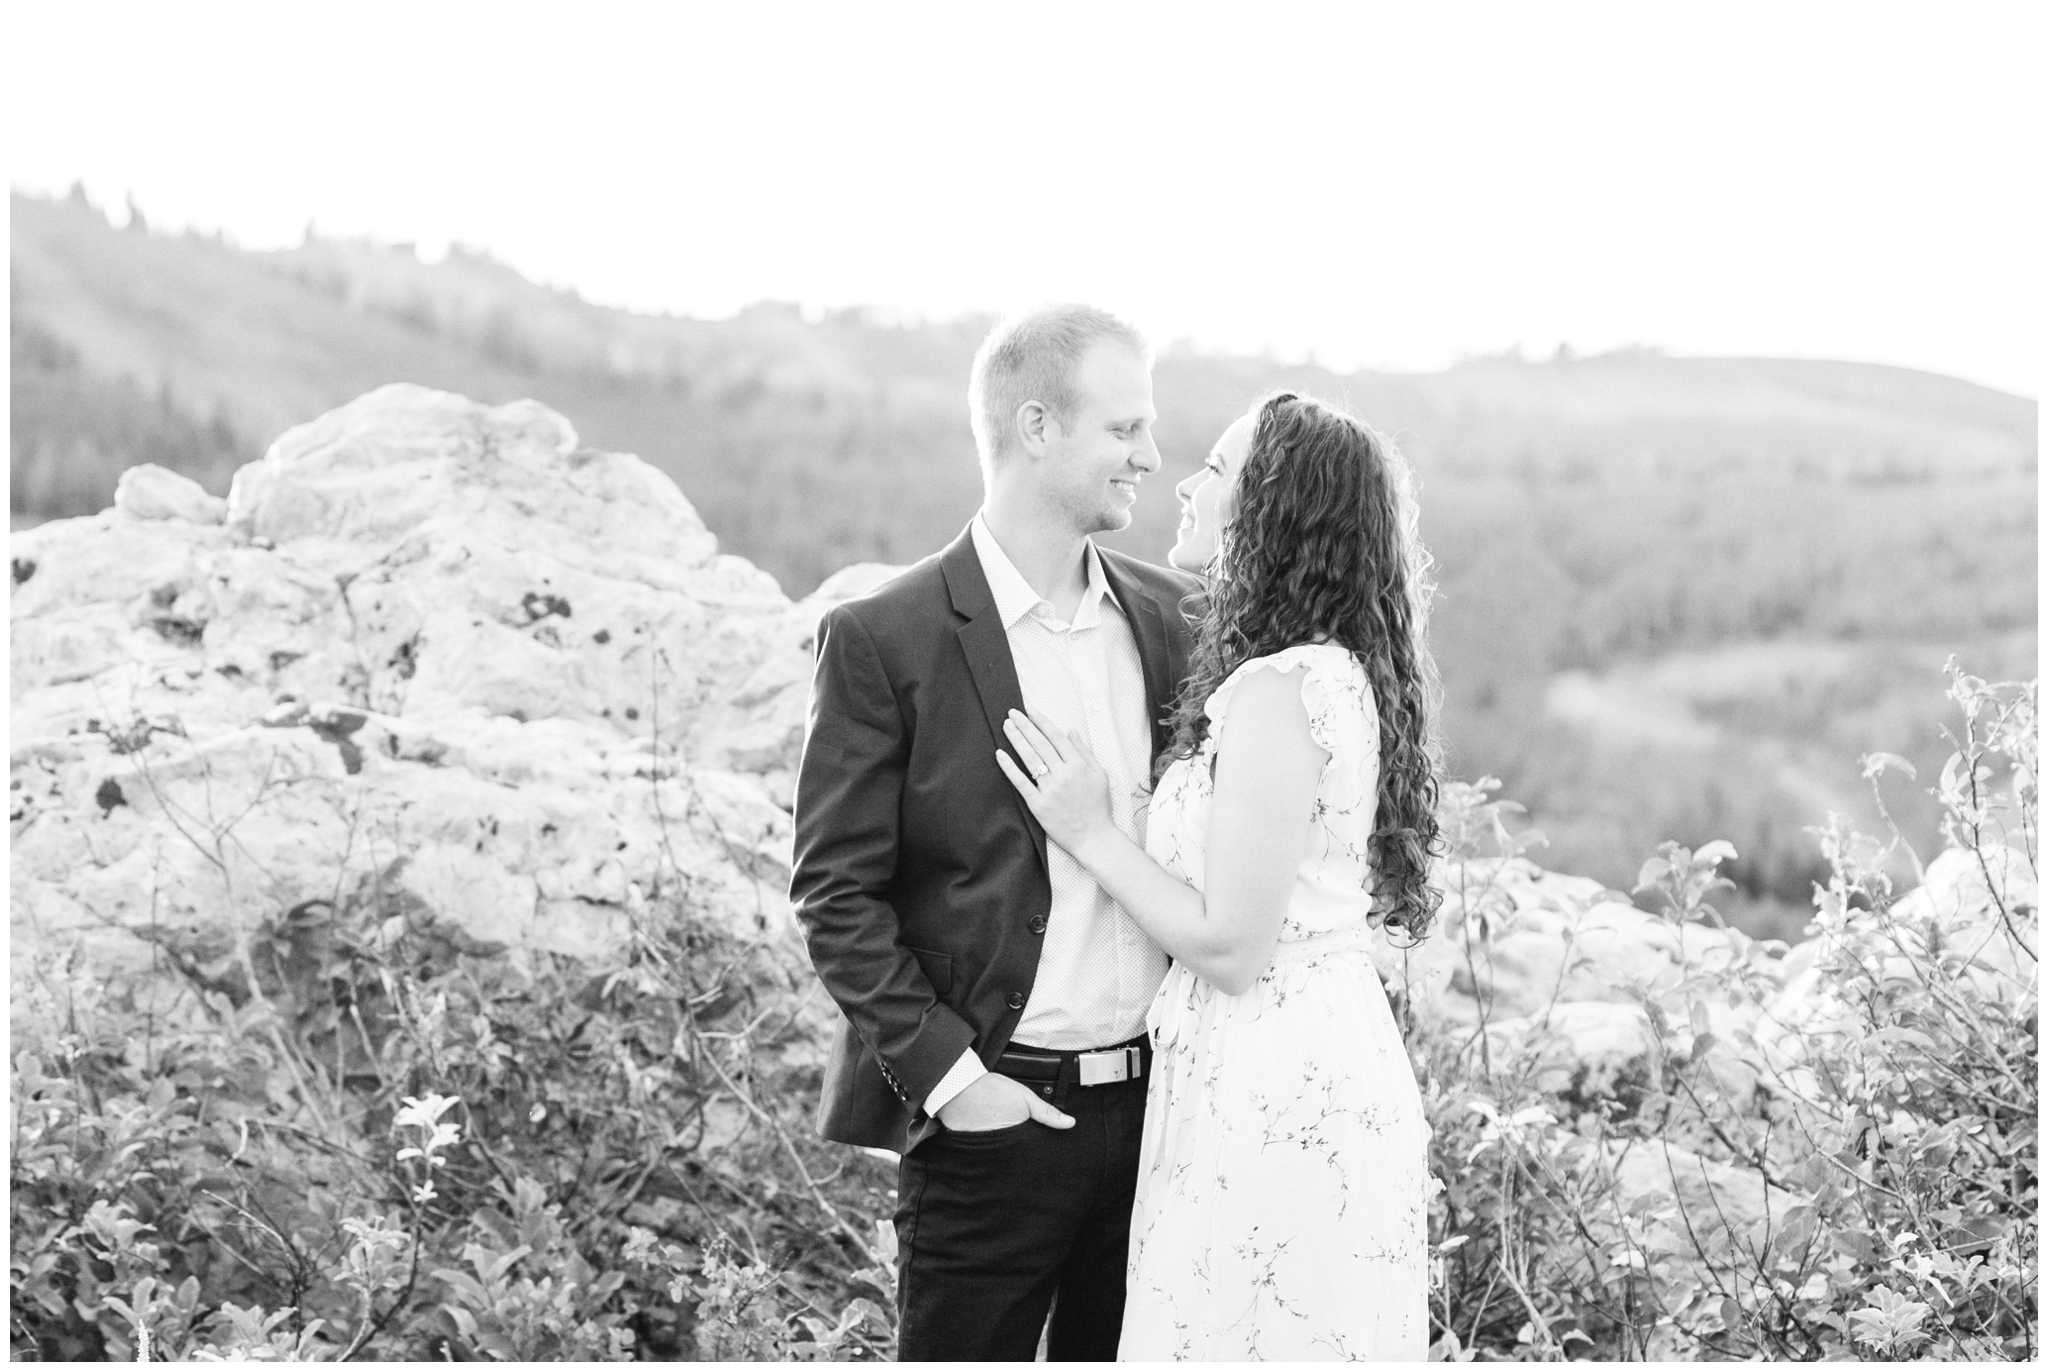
<point x="446" y="647"/>
<point x="1513" y="939"/>
<point x="148" y="491"/>
<point x="1584" y="993"/>
<point x="426" y="642"/>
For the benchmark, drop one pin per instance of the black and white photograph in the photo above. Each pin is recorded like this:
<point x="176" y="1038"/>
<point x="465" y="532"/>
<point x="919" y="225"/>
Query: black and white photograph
<point x="1077" y="682"/>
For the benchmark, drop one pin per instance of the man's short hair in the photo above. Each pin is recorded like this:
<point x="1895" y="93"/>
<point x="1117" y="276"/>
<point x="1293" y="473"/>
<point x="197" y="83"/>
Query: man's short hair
<point x="1033" y="356"/>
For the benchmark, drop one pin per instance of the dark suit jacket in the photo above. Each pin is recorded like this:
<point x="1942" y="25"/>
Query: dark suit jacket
<point x="919" y="874"/>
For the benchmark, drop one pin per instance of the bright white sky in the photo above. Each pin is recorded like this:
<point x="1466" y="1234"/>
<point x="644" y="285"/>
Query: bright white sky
<point x="1380" y="184"/>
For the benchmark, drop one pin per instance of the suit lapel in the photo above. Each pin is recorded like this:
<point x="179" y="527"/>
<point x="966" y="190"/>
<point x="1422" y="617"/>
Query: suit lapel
<point x="986" y="645"/>
<point x="1148" y="627"/>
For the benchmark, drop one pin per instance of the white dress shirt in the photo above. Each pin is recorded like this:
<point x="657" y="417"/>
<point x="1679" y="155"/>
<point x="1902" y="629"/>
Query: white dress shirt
<point x="1097" y="971"/>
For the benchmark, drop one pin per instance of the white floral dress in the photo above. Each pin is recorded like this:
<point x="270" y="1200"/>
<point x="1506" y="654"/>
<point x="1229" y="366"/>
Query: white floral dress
<point x="1284" y="1175"/>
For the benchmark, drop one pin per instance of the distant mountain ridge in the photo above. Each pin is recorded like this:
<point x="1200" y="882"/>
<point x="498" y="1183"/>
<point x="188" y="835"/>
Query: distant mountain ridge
<point x="1588" y="515"/>
<point x="262" y="340"/>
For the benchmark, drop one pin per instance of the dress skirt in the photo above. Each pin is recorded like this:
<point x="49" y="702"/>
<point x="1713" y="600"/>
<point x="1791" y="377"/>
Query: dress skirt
<point x="1283" y="1180"/>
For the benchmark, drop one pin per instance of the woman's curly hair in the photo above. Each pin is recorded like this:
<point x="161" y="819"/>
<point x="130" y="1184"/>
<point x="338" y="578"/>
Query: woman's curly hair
<point x="1325" y="546"/>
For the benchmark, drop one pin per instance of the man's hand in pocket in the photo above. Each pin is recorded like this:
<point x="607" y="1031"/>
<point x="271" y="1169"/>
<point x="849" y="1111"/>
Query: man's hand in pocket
<point x="995" y="1101"/>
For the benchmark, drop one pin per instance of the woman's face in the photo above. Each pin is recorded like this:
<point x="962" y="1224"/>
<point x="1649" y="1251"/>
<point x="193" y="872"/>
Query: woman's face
<point x="1208" y="499"/>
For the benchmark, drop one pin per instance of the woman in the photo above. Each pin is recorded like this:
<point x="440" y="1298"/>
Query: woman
<point x="1284" y="1176"/>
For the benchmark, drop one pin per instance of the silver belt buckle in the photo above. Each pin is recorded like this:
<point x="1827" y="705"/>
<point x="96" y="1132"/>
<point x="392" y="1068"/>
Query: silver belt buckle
<point x="1112" y="1064"/>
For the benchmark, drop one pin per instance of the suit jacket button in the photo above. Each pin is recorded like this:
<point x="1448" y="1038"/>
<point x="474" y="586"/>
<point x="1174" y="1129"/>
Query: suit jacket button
<point x="1016" y="1000"/>
<point x="1038" y="924"/>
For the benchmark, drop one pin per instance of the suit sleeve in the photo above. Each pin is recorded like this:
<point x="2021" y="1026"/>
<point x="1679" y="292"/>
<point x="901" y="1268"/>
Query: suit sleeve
<point x="849" y="794"/>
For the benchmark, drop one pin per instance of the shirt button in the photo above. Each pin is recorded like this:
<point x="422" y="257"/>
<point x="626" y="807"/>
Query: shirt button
<point x="1038" y="924"/>
<point x="1016" y="1000"/>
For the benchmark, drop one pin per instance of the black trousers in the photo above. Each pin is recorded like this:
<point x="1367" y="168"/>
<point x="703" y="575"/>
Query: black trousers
<point x="995" y="1228"/>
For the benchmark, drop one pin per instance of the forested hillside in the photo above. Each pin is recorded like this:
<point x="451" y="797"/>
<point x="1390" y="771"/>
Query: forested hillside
<point x="1678" y="594"/>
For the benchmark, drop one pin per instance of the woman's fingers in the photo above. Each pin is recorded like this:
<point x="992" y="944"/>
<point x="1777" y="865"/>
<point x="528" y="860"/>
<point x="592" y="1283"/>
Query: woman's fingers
<point x="1016" y="775"/>
<point x="1061" y="740"/>
<point x="1035" y="761"/>
<point x="1065" y="744"/>
<point x="1039" y="738"/>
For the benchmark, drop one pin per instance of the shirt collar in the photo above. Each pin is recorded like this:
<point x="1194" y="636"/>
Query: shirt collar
<point x="1013" y="594"/>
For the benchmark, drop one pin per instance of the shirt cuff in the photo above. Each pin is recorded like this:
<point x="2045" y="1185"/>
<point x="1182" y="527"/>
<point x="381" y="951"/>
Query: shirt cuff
<point x="961" y="1075"/>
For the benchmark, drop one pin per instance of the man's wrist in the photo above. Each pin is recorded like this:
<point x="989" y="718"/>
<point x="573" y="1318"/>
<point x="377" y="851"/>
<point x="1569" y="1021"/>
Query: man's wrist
<point x="961" y="1075"/>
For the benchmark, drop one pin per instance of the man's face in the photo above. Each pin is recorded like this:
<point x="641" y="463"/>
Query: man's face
<point x="1093" y="464"/>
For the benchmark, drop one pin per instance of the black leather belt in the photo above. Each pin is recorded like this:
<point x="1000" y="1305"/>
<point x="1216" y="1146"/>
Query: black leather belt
<point x="1046" y="1069"/>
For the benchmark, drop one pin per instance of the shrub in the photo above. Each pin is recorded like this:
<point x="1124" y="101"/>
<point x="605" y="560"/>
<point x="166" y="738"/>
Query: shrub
<point x="370" y="1144"/>
<point x="1829" y="1156"/>
<point x="363" y="1142"/>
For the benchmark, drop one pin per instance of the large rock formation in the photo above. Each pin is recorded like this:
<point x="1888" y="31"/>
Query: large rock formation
<point x="441" y="654"/>
<point x="443" y="646"/>
<point x="426" y="640"/>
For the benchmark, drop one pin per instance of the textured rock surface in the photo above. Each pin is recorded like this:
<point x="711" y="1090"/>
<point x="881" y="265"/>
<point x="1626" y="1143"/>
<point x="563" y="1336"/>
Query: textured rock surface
<point x="1561" y="977"/>
<point x="432" y="643"/>
<point x="148" y="491"/>
<point x="444" y="647"/>
<point x="1724" y="1206"/>
<point x="1515" y="938"/>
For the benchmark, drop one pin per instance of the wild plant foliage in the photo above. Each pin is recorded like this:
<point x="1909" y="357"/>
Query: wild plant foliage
<point x="384" y="1147"/>
<point x="1832" y="1155"/>
<point x="375" y="1145"/>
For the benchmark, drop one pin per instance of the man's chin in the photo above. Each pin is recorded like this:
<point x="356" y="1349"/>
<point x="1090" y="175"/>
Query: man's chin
<point x="1111" y="521"/>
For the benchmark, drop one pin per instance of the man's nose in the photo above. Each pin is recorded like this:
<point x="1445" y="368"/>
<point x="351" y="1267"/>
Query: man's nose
<point x="1146" y="458"/>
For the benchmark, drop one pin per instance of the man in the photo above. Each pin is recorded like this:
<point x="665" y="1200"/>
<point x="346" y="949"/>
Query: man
<point x="994" y="997"/>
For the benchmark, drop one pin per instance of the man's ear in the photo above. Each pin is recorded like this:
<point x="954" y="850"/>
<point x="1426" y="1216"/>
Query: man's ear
<point x="1035" y="427"/>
